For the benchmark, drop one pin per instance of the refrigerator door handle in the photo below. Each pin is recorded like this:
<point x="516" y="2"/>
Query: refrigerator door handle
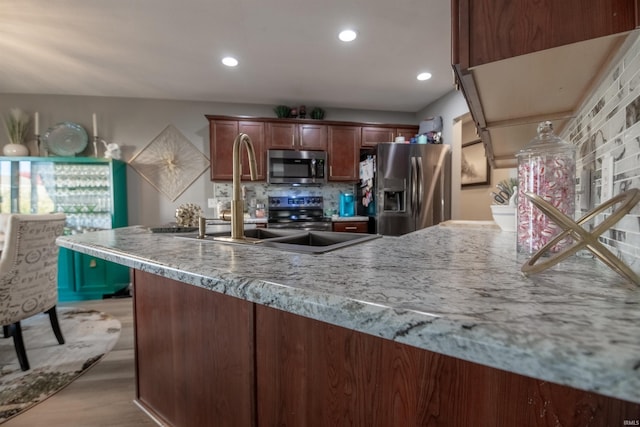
<point x="420" y="188"/>
<point x="413" y="183"/>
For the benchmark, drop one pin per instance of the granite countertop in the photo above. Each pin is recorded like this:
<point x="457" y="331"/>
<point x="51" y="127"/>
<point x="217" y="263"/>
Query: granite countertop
<point x="448" y="289"/>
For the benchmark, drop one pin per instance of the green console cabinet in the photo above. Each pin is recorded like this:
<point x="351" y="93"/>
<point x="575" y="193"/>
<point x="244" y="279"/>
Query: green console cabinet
<point x="92" y="193"/>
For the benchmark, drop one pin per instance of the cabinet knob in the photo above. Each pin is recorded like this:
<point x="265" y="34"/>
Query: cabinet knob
<point x="93" y="263"/>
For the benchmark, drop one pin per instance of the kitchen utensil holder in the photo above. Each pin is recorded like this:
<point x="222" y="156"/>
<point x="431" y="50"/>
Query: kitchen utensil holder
<point x="582" y="238"/>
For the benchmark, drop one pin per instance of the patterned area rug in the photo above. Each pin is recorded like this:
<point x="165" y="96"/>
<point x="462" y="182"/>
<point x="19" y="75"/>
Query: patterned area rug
<point x="88" y="335"/>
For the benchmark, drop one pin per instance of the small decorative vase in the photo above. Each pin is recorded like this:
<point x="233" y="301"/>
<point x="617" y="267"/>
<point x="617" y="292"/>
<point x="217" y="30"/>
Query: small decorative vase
<point x="504" y="216"/>
<point x="15" y="150"/>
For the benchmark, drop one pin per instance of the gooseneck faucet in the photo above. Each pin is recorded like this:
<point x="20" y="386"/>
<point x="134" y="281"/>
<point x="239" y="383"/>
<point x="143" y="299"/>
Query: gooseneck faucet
<point x="237" y="203"/>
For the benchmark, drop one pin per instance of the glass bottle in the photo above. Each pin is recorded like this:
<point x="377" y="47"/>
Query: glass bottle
<point x="546" y="167"/>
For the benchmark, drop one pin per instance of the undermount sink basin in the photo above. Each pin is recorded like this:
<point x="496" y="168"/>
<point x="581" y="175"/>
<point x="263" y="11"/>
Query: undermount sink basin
<point x="254" y="235"/>
<point x="318" y="242"/>
<point x="314" y="242"/>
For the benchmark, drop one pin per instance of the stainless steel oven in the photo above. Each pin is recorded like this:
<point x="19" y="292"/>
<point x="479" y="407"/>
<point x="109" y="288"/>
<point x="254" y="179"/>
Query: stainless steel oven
<point x="296" y="167"/>
<point x="298" y="212"/>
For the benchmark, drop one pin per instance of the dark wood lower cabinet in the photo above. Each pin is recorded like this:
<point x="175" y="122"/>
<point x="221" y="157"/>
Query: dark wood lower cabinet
<point x="314" y="374"/>
<point x="194" y="354"/>
<point x="351" y="226"/>
<point x="207" y="359"/>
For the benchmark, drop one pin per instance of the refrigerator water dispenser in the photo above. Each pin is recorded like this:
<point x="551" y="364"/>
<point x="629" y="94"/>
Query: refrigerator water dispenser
<point x="393" y="201"/>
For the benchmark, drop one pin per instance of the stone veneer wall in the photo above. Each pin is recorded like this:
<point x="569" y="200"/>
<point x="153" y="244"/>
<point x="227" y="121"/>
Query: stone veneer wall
<point x="609" y="123"/>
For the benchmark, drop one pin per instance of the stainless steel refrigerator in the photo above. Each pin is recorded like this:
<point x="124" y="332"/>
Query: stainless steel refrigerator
<point x="405" y="187"/>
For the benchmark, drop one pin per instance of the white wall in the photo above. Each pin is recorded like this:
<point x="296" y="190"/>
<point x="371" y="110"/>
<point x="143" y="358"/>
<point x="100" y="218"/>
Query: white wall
<point x="451" y="107"/>
<point x="475" y="201"/>
<point x="133" y="123"/>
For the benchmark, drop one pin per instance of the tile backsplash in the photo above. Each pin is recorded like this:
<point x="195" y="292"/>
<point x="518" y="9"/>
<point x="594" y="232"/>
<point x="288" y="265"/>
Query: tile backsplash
<point x="608" y="124"/>
<point x="223" y="192"/>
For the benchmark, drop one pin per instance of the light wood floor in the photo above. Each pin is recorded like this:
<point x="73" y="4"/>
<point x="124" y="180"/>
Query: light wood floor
<point x="103" y="396"/>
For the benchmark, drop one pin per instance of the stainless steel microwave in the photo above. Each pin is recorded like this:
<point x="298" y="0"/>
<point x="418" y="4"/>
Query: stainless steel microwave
<point x="296" y="167"/>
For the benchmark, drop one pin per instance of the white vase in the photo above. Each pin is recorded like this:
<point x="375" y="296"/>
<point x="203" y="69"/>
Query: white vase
<point x="15" y="150"/>
<point x="504" y="216"/>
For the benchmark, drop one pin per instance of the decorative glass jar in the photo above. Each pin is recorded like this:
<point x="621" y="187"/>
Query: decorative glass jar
<point x="546" y="167"/>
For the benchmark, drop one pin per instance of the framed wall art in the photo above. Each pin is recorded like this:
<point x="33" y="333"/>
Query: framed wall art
<point x="475" y="165"/>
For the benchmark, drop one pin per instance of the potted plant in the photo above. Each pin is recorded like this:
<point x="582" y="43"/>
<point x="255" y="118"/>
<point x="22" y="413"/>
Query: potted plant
<point x="317" y="113"/>
<point x="504" y="208"/>
<point x="282" y="111"/>
<point x="16" y="124"/>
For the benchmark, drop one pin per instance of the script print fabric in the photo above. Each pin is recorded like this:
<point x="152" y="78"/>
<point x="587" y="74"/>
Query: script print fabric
<point x="28" y="280"/>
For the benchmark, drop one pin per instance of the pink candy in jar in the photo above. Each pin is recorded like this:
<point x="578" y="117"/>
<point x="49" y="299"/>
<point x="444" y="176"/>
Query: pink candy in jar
<point x="546" y="167"/>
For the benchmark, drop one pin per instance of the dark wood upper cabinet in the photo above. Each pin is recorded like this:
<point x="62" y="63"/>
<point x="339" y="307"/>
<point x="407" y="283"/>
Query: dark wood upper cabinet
<point x="343" y="153"/>
<point x="373" y="135"/>
<point x="490" y="30"/>
<point x="312" y="136"/>
<point x="341" y="141"/>
<point x="522" y="62"/>
<point x="222" y="136"/>
<point x="294" y="136"/>
<point x="408" y="132"/>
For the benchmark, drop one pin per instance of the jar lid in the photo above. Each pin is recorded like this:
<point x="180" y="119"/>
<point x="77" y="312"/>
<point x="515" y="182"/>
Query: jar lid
<point x="546" y="141"/>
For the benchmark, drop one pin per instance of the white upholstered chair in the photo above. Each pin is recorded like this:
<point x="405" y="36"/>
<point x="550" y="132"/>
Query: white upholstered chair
<point x="29" y="273"/>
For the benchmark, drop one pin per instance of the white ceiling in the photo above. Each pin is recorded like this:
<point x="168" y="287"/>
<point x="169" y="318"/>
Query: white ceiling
<point x="288" y="50"/>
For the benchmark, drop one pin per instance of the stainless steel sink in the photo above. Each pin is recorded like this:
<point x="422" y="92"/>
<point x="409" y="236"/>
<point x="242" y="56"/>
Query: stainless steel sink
<point x="317" y="242"/>
<point x="255" y="235"/>
<point x="313" y="242"/>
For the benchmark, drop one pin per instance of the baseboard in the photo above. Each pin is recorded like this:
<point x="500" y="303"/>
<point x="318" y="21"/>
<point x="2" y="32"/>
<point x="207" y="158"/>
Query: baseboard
<point x="150" y="414"/>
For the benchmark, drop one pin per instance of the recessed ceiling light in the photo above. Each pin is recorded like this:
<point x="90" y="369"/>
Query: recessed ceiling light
<point x="424" y="76"/>
<point x="230" y="61"/>
<point x="347" y="35"/>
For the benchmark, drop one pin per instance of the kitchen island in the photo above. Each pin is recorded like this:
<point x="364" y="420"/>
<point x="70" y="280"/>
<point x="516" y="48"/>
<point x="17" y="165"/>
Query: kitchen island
<point x="437" y="327"/>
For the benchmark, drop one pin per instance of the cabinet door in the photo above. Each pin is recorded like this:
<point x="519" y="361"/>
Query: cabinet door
<point x="221" y="137"/>
<point x="281" y="136"/>
<point x="292" y="136"/>
<point x="408" y="132"/>
<point x="372" y="136"/>
<point x="194" y="354"/>
<point x="311" y="373"/>
<point x="490" y="30"/>
<point x="315" y="374"/>
<point x="312" y="137"/>
<point x="343" y="152"/>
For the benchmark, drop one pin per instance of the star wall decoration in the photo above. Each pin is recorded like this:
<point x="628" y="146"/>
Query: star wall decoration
<point x="170" y="163"/>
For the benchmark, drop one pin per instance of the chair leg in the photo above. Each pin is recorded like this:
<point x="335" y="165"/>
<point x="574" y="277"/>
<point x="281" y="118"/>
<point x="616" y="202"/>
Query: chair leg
<point x="16" y="331"/>
<point x="5" y="331"/>
<point x="53" y="317"/>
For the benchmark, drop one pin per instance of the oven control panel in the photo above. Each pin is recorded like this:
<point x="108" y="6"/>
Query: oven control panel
<point x="296" y="202"/>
